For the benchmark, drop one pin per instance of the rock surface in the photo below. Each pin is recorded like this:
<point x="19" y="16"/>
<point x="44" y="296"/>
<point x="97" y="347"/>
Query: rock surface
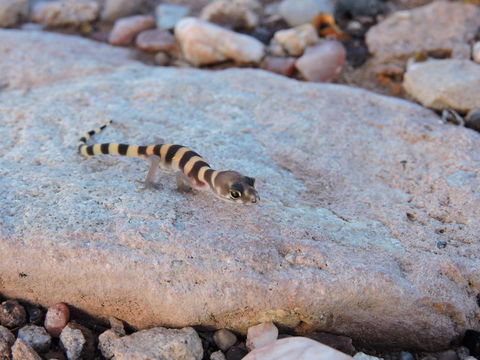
<point x="158" y="344"/>
<point x="65" y="12"/>
<point x="296" y="348"/>
<point x="12" y="11"/>
<point x="21" y="351"/>
<point x="439" y="84"/>
<point x="36" y="337"/>
<point x="205" y="43"/>
<point x="356" y="189"/>
<point x="441" y="26"/>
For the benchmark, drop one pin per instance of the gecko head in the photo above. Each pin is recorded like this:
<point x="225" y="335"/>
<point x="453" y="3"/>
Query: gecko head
<point x="234" y="187"/>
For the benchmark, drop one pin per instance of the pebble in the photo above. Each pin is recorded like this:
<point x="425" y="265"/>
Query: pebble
<point x="205" y="43"/>
<point x="472" y="120"/>
<point x="217" y="355"/>
<point x="404" y="355"/>
<point x="5" y="350"/>
<point x="236" y="14"/>
<point x="224" y="339"/>
<point x="261" y="335"/>
<point x="297" y="39"/>
<point x="106" y="342"/>
<point x="57" y="318"/>
<point x="12" y="314"/>
<point x="6" y="336"/>
<point x="298" y="12"/>
<point x="236" y="353"/>
<point x="476" y="52"/>
<point x="161" y="59"/>
<point x="363" y="356"/>
<point x="155" y="40"/>
<point x="65" y="12"/>
<point x="279" y="65"/>
<point x="471" y="340"/>
<point x="322" y="62"/>
<point x="21" y="351"/>
<point x="35" y="314"/>
<point x="167" y="16"/>
<point x="125" y="29"/>
<point x="116" y="325"/>
<point x="447" y="355"/>
<point x="12" y="12"/>
<point x="296" y="348"/>
<point x="439" y="84"/>
<point x="348" y="9"/>
<point x="116" y="9"/>
<point x="36" y="337"/>
<point x="447" y="26"/>
<point x="160" y="343"/>
<point x="462" y="352"/>
<point x="78" y="342"/>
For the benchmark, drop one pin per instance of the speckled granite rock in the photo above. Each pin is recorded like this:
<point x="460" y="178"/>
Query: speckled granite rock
<point x="357" y="189"/>
<point x="12" y="11"/>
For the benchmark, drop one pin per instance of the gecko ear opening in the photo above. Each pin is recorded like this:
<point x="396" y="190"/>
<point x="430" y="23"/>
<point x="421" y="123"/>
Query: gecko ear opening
<point x="250" y="181"/>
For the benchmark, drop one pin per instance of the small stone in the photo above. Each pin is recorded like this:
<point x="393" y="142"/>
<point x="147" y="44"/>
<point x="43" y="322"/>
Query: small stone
<point x="65" y="12"/>
<point x="296" y="348"/>
<point x="471" y="341"/>
<point x="322" y="62"/>
<point x="116" y="9"/>
<point x="12" y="314"/>
<point x="404" y="355"/>
<point x="296" y="40"/>
<point x="236" y="14"/>
<point x="106" y="342"/>
<point x="476" y="52"/>
<point x="160" y="343"/>
<point x="217" y="355"/>
<point x="224" y="339"/>
<point x="167" y="16"/>
<point x="21" y="351"/>
<point x="78" y="342"/>
<point x="363" y="356"/>
<point x="446" y="355"/>
<point x="440" y="84"/>
<point x="440" y="25"/>
<point x="298" y="12"/>
<point x="36" y="337"/>
<point x="125" y="29"/>
<point x="348" y="9"/>
<point x="5" y="352"/>
<point x="6" y="336"/>
<point x="12" y="12"/>
<point x="462" y="352"/>
<point x="261" y="335"/>
<point x="161" y="59"/>
<point x="279" y="65"/>
<point x="155" y="40"/>
<point x="57" y="318"/>
<point x="204" y="43"/>
<point x="472" y="120"/>
<point x="116" y="325"/>
<point x="338" y="342"/>
<point x="35" y="314"/>
<point x="236" y="353"/>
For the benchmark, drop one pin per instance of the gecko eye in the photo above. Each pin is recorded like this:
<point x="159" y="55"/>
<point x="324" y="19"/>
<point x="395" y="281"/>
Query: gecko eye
<point x="234" y="194"/>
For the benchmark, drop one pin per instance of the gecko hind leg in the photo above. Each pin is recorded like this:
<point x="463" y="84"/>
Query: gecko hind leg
<point x="183" y="183"/>
<point x="149" y="182"/>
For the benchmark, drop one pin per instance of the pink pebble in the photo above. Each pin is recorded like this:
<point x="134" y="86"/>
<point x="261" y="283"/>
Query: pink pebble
<point x="279" y="65"/>
<point x="57" y="318"/>
<point x="125" y="29"/>
<point x="322" y="62"/>
<point x="155" y="40"/>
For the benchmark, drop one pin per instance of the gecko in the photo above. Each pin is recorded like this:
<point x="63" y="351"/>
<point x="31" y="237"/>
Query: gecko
<point x="192" y="170"/>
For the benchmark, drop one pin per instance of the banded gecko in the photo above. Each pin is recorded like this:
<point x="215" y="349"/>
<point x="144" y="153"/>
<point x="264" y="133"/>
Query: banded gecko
<point x="192" y="170"/>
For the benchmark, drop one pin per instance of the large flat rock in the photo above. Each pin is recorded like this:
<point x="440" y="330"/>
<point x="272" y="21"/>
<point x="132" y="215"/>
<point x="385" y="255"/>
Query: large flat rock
<point x="368" y="224"/>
